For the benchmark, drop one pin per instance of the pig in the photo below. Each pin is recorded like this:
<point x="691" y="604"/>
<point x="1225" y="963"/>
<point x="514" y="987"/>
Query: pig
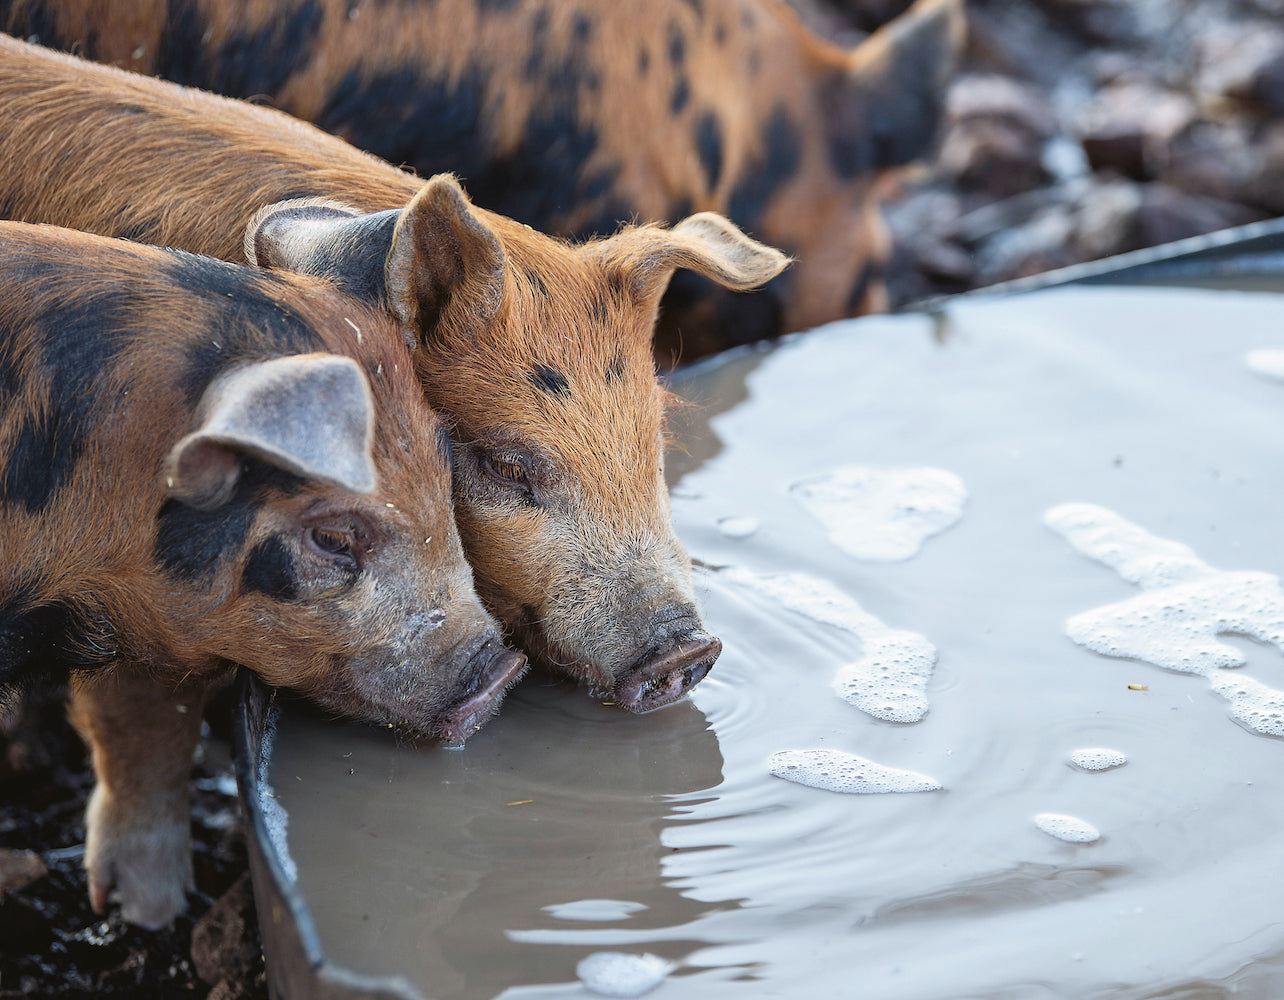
<point x="572" y="117"/>
<point x="201" y="465"/>
<point x="536" y="352"/>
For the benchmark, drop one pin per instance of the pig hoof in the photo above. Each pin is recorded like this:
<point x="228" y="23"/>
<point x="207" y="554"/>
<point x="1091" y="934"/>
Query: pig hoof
<point x="666" y="677"/>
<point x="496" y="674"/>
<point x="146" y="867"/>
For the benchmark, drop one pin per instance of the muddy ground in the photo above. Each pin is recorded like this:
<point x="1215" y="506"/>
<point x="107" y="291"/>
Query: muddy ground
<point x="52" y="945"/>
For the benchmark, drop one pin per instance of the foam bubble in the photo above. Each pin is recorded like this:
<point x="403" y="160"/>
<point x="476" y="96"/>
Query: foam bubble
<point x="835" y="771"/>
<point x="1067" y="828"/>
<point x="882" y="514"/>
<point x="1097" y="758"/>
<point x="1268" y="361"/>
<point x="594" y="909"/>
<point x="737" y="526"/>
<point x="1184" y="605"/>
<point x="620" y="974"/>
<point x="890" y="679"/>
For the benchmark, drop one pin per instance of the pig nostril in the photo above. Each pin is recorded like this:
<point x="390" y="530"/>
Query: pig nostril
<point x="664" y="678"/>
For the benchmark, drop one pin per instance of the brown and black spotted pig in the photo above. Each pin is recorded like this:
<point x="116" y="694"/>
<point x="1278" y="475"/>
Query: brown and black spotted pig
<point x="573" y="117"/>
<point x="537" y="352"/>
<point x="203" y="464"/>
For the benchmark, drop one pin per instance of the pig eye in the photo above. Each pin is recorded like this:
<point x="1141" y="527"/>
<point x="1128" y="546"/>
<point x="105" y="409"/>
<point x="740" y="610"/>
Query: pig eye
<point x="506" y="471"/>
<point x="333" y="542"/>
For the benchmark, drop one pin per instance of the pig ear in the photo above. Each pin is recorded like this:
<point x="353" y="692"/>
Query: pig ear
<point x="885" y="107"/>
<point x="324" y="238"/>
<point x="309" y="414"/>
<point x="441" y="249"/>
<point x="705" y="243"/>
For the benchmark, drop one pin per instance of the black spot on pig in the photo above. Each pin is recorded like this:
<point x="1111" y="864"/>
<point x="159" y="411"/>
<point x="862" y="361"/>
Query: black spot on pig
<point x="681" y="94"/>
<point x="708" y="137"/>
<point x="252" y="60"/>
<point x="77" y="344"/>
<point x="269" y="569"/>
<point x="548" y="379"/>
<point x="248" y="324"/>
<point x="777" y="162"/>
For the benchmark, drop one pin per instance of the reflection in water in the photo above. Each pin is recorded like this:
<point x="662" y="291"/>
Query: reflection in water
<point x="566" y="829"/>
<point x="438" y="854"/>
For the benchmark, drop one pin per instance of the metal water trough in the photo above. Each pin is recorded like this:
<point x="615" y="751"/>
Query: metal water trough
<point x="1247" y="258"/>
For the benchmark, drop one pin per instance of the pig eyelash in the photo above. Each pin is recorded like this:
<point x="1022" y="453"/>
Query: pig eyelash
<point x="334" y="542"/>
<point x="507" y="472"/>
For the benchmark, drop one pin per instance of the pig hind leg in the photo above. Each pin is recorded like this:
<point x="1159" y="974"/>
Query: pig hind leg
<point x="142" y="734"/>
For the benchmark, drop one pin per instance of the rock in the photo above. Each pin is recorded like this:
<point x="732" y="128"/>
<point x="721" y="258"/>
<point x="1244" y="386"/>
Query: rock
<point x="1041" y="244"/>
<point x="1216" y="160"/>
<point x="1127" y="126"/>
<point x="1244" y="61"/>
<point x="1121" y="216"/>
<point x="18" y="869"/>
<point x="995" y="133"/>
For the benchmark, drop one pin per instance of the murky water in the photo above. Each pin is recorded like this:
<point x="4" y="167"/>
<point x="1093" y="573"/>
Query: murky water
<point x="1104" y="826"/>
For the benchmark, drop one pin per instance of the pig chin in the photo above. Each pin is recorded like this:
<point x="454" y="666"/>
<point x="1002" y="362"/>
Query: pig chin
<point x="404" y="694"/>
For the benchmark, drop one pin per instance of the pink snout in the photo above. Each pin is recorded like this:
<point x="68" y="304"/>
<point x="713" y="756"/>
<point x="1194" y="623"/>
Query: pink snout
<point x="664" y="677"/>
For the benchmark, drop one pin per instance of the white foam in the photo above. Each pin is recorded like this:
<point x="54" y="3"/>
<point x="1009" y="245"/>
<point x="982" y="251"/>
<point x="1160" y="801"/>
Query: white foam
<point x="1097" y="758"/>
<point x="737" y="526"/>
<point x="1268" y="361"/>
<point x="836" y="771"/>
<point x="1184" y="605"/>
<point x="595" y="909"/>
<point x="1067" y="828"/>
<point x="882" y="514"/>
<point x="620" y="974"/>
<point x="889" y="681"/>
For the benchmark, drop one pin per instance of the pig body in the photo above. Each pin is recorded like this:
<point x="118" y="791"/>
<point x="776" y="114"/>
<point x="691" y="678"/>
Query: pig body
<point x="575" y="117"/>
<point x="536" y="352"/>
<point x="200" y="465"/>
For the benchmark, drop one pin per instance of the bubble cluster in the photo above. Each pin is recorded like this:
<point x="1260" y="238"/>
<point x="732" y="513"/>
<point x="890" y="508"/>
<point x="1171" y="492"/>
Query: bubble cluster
<point x="1097" y="758"/>
<point x="737" y="526"/>
<point x="1184" y="605"/>
<point x="595" y="909"/>
<point x="621" y="974"/>
<point x="1068" y="828"/>
<point x="882" y="514"/>
<point x="890" y="679"/>
<point x="835" y="771"/>
<point x="1268" y="361"/>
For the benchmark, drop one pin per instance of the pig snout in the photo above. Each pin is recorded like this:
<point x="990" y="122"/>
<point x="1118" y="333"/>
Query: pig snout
<point x="666" y="674"/>
<point x="490" y="672"/>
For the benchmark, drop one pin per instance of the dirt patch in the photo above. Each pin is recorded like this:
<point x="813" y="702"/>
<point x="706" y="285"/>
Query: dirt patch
<point x="52" y="945"/>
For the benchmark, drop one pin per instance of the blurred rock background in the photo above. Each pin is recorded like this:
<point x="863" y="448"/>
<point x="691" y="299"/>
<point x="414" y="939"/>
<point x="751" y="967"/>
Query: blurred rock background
<point x="1079" y="129"/>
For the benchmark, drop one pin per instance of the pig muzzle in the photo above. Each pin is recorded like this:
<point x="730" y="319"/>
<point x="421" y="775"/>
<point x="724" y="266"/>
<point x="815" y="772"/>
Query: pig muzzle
<point x="665" y="676"/>
<point x="492" y="670"/>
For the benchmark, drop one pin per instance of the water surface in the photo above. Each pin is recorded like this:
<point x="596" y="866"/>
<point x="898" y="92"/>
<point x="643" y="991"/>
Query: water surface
<point x="567" y="830"/>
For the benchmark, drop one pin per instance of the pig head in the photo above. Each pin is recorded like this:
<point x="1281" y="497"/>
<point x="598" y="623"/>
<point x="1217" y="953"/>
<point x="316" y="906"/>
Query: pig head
<point x="541" y="362"/>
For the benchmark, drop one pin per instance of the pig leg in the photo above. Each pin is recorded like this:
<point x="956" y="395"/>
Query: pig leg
<point x="142" y="733"/>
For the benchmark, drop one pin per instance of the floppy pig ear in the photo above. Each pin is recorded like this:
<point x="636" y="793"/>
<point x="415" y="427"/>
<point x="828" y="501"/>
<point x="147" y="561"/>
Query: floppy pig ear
<point x="706" y="243"/>
<point x="885" y="106"/>
<point x="326" y="239"/>
<point x="309" y="414"/>
<point x="441" y="249"/>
